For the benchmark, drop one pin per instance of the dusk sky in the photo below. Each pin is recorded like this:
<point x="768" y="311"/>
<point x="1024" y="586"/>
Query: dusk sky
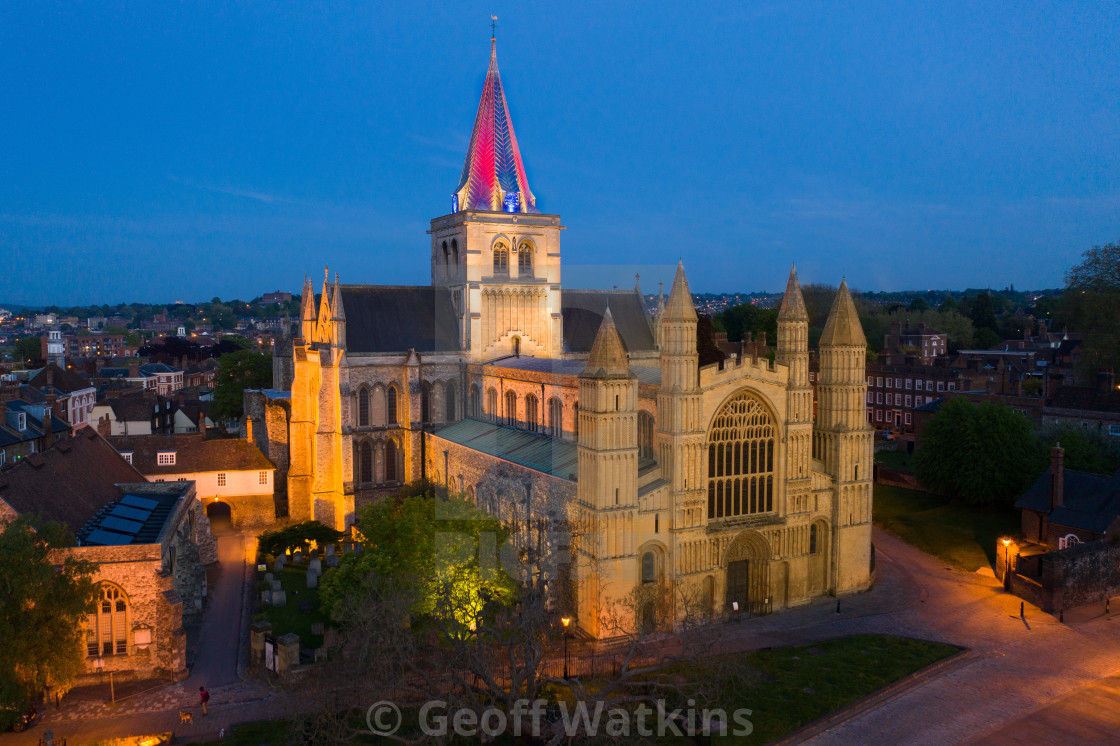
<point x="160" y="152"/>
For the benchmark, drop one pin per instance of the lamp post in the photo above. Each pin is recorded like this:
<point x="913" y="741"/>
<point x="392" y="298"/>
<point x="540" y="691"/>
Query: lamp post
<point x="1006" y="555"/>
<point x="565" y="620"/>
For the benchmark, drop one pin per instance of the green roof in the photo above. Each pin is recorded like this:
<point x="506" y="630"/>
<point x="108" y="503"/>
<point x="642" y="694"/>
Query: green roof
<point x="541" y="452"/>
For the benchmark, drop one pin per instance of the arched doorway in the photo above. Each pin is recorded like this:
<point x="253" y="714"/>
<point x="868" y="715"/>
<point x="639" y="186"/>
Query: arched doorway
<point x="748" y="574"/>
<point x="220" y="515"/>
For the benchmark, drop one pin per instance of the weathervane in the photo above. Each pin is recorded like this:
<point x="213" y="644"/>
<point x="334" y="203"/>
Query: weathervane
<point x="493" y="27"/>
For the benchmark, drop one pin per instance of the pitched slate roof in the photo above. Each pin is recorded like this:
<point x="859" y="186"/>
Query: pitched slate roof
<point x="134" y="408"/>
<point x="64" y="381"/>
<point x="390" y="318"/>
<point x="583" y="312"/>
<point x="10" y="434"/>
<point x="194" y="453"/>
<point x="541" y="452"/>
<point x="68" y="482"/>
<point x="1089" y="501"/>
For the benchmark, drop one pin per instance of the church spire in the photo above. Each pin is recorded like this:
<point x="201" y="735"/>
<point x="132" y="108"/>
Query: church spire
<point x="307" y="311"/>
<point x="493" y="175"/>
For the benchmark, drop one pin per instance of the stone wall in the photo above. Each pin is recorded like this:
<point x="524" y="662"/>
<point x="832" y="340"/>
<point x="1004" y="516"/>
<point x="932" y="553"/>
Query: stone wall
<point x="1082" y="574"/>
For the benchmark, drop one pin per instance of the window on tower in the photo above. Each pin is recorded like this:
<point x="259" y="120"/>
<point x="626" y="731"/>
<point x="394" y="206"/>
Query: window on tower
<point x="525" y="259"/>
<point x="501" y="259"/>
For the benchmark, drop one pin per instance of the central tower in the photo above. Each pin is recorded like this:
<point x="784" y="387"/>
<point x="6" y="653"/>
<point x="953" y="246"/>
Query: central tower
<point x="496" y="253"/>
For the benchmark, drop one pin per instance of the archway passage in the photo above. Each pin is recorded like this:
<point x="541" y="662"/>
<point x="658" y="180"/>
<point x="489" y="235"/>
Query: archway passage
<point x="220" y="515"/>
<point x="748" y="574"/>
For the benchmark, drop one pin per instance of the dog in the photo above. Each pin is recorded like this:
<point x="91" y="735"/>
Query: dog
<point x="186" y="716"/>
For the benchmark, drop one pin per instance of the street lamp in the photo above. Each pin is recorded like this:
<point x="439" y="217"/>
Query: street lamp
<point x="565" y="620"/>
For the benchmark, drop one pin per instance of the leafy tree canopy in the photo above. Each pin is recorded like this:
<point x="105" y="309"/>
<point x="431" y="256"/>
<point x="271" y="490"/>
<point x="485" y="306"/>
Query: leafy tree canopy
<point x="1085" y="450"/>
<point x="237" y="371"/>
<point x="29" y="348"/>
<point x="747" y="317"/>
<point x="983" y="454"/>
<point x="1091" y="305"/>
<point x="42" y="615"/>
<point x="297" y="535"/>
<point x="444" y="547"/>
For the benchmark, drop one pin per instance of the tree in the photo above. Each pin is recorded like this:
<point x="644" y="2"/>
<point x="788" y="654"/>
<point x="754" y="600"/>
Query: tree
<point x="1085" y="450"/>
<point x="919" y="304"/>
<point x="747" y="317"/>
<point x="42" y="615"/>
<point x="29" y="348"/>
<point x="238" y="371"/>
<point x="981" y="454"/>
<point x="295" y="536"/>
<point x="982" y="312"/>
<point x="1091" y="305"/>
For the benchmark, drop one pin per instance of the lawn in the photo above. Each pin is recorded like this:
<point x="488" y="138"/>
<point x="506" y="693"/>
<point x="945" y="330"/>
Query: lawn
<point x="897" y="460"/>
<point x="787" y="688"/>
<point x="289" y="618"/>
<point x="962" y="535"/>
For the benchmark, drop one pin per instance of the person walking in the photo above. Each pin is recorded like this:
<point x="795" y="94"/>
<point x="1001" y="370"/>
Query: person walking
<point x="203" y="698"/>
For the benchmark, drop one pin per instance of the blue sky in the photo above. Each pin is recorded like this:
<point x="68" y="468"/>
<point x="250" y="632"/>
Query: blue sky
<point x="156" y="151"/>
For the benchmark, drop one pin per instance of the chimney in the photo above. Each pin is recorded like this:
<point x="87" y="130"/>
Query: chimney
<point x="1106" y="381"/>
<point x="133" y="369"/>
<point x="248" y="429"/>
<point x="1057" y="476"/>
<point x="48" y="421"/>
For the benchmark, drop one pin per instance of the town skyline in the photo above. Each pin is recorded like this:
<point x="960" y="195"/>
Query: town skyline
<point x="977" y="148"/>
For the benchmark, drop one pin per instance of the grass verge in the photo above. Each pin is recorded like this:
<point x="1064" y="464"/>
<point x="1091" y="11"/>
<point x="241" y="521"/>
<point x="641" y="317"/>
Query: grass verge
<point x="289" y="618"/>
<point x="897" y="460"/>
<point x="962" y="535"/>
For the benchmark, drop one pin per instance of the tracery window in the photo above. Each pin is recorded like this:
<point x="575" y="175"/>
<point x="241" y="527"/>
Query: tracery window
<point x="501" y="259"/>
<point x="492" y="403"/>
<point x="525" y="259"/>
<point x="741" y="459"/>
<point x="391" y="405"/>
<point x="531" y="421"/>
<point x="475" y="402"/>
<point x="107" y="629"/>
<point x="449" y="403"/>
<point x="363" y="407"/>
<point x="511" y="408"/>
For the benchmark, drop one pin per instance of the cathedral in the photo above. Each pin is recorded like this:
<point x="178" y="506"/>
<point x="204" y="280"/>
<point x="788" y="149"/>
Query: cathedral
<point x="582" y="415"/>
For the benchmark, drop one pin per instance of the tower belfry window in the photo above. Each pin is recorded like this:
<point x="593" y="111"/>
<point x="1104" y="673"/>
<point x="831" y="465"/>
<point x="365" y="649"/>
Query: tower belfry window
<point x="525" y="260"/>
<point x="501" y="259"/>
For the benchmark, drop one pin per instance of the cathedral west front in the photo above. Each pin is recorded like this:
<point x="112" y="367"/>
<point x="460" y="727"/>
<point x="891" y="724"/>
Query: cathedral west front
<point x="581" y="414"/>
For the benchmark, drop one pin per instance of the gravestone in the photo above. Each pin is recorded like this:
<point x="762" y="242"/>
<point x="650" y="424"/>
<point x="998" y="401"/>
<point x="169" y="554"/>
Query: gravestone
<point x="278" y="565"/>
<point x="316" y="628"/>
<point x="297" y="558"/>
<point x="315" y="565"/>
<point x="279" y="598"/>
<point x="320" y="655"/>
<point x="330" y="550"/>
<point x="312" y="579"/>
<point x="276" y="585"/>
<point x="269" y="577"/>
<point x="266" y="597"/>
<point x="332" y="561"/>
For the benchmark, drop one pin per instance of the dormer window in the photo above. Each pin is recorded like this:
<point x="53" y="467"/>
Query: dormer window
<point x="21" y="421"/>
<point x="127" y="455"/>
<point x="165" y="458"/>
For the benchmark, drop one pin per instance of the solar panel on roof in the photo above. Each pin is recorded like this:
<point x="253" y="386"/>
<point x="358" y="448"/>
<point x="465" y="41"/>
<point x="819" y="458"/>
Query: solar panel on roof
<point x="107" y="538"/>
<point x="139" y="502"/>
<point x="132" y="514"/>
<point x="121" y="525"/>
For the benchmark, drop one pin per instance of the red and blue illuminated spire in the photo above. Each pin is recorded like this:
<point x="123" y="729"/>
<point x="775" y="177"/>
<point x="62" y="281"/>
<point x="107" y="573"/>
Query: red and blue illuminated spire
<point x="493" y="175"/>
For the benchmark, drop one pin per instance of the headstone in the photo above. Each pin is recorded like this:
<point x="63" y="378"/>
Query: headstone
<point x="316" y="628"/>
<point x="276" y="585"/>
<point x="332" y="561"/>
<point x="297" y="558"/>
<point x="320" y="655"/>
<point x="287" y="652"/>
<point x="330" y="550"/>
<point x="278" y="565"/>
<point x="257" y="633"/>
<point x="266" y="597"/>
<point x="312" y="579"/>
<point x="315" y="565"/>
<point x="279" y="598"/>
<point x="269" y="577"/>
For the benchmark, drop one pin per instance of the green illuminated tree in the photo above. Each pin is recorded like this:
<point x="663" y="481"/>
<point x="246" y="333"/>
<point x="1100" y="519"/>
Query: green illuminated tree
<point x="42" y="612"/>
<point x="237" y="371"/>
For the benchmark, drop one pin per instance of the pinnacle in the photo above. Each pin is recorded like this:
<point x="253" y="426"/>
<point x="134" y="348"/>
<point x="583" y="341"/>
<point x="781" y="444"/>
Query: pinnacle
<point x="843" y="329"/>
<point x="793" y="303"/>
<point x="608" y="357"/>
<point x="680" y="306"/>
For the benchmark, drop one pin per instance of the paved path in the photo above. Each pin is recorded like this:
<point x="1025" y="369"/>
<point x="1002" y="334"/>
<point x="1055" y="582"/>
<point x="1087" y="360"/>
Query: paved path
<point x="1089" y="715"/>
<point x="216" y="661"/>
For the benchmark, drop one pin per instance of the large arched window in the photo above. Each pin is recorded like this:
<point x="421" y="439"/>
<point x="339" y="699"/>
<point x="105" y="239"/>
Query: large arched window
<point x="501" y="259"/>
<point x="645" y="436"/>
<point x="525" y="259"/>
<point x="391" y="465"/>
<point x="455" y="254"/>
<point x="531" y="420"/>
<point x="511" y="408"/>
<point x="555" y="417"/>
<point x="446" y="260"/>
<point x="814" y="541"/>
<point x="365" y="462"/>
<point x="107" y="628"/>
<point x="649" y="567"/>
<point x="363" y="407"/>
<point x="391" y="405"/>
<point x="741" y="459"/>
<point x="449" y="402"/>
<point x="475" y="402"/>
<point x="492" y="403"/>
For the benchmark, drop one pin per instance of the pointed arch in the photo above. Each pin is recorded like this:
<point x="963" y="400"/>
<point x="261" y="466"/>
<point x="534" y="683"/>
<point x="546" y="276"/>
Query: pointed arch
<point x="741" y="446"/>
<point x="108" y="627"/>
<point x="392" y="461"/>
<point x="391" y="397"/>
<point x="555" y="417"/>
<point x="501" y="258"/>
<point x="449" y="412"/>
<point x="475" y="402"/>
<point x="525" y="259"/>
<point x="363" y="406"/>
<point x="532" y="418"/>
<point x="511" y="408"/>
<point x="365" y="462"/>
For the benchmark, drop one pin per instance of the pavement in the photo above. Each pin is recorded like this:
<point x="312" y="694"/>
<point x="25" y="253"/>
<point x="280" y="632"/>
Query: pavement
<point x="1026" y="679"/>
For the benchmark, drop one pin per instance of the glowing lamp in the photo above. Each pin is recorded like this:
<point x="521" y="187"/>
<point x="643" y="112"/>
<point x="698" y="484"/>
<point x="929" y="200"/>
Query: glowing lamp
<point x="565" y="620"/>
<point x="1006" y="542"/>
